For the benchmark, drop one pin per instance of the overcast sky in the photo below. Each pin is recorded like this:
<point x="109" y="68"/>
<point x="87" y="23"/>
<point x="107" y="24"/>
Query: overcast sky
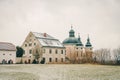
<point x="98" y="18"/>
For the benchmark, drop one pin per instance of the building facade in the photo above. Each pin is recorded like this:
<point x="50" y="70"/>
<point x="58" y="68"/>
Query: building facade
<point x="7" y="53"/>
<point x="43" y="48"/>
<point x="76" y="52"/>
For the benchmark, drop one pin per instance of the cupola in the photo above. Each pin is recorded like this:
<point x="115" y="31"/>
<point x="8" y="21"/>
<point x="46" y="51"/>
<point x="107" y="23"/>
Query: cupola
<point x="88" y="44"/>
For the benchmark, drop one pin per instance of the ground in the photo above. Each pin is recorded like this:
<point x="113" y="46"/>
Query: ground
<point x="59" y="72"/>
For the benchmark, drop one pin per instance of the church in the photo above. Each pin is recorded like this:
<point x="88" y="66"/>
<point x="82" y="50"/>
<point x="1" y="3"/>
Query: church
<point x="76" y="52"/>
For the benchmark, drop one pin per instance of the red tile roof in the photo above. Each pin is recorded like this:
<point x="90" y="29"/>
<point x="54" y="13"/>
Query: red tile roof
<point x="7" y="46"/>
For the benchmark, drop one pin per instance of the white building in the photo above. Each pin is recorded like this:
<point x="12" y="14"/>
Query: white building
<point x="44" y="47"/>
<point x="7" y="52"/>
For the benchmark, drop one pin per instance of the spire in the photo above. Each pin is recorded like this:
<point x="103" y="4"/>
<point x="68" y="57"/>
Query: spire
<point x="79" y="40"/>
<point x="71" y="32"/>
<point x="88" y="44"/>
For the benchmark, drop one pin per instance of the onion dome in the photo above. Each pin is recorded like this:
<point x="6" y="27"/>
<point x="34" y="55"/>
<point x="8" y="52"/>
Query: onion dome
<point x="79" y="41"/>
<point x="88" y="44"/>
<point x="71" y="39"/>
<point x="71" y="33"/>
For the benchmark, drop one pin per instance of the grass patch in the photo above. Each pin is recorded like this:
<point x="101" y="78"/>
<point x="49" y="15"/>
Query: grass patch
<point x="59" y="72"/>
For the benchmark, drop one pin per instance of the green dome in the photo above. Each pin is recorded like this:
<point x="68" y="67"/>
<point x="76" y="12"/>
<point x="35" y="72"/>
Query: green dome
<point x="79" y="41"/>
<point x="70" y="40"/>
<point x="71" y="31"/>
<point x="88" y="44"/>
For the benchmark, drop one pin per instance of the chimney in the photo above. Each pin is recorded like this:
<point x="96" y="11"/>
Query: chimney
<point x="45" y="35"/>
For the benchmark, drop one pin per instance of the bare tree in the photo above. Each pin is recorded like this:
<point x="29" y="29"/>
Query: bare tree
<point x="102" y="55"/>
<point x="116" y="54"/>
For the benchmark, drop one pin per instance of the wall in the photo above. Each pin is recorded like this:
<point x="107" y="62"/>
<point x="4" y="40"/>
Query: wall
<point x="54" y="55"/>
<point x="7" y="56"/>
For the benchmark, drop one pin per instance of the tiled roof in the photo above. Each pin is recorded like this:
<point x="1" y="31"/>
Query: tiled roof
<point x="47" y="40"/>
<point x="7" y="46"/>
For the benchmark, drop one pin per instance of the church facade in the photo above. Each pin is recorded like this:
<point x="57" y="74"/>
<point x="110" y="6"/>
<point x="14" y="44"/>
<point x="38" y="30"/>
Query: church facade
<point x="76" y="52"/>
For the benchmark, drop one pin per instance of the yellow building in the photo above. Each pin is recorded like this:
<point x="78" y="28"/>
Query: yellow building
<point x="43" y="47"/>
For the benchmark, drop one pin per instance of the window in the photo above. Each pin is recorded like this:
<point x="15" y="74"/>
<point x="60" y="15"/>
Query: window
<point x="34" y="43"/>
<point x="10" y="54"/>
<point x="61" y="59"/>
<point x="56" y="51"/>
<point x="50" y="59"/>
<point x="81" y="48"/>
<point x="61" y="51"/>
<point x="3" y="54"/>
<point x="30" y="51"/>
<point x="30" y="44"/>
<point x="56" y="59"/>
<point x="25" y="45"/>
<point x="50" y="51"/>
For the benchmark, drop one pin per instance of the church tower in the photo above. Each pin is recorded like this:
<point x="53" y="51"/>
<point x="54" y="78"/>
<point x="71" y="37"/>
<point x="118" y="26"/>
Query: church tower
<point x="79" y="51"/>
<point x="88" y="50"/>
<point x="76" y="52"/>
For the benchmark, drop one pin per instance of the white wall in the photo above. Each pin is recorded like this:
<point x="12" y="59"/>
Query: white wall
<point x="7" y="55"/>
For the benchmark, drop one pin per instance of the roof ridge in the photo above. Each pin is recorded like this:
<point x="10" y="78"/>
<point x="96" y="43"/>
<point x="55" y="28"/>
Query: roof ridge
<point x="6" y="43"/>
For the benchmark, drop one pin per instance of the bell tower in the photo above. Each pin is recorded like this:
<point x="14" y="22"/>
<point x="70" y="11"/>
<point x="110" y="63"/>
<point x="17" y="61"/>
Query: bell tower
<point x="88" y="50"/>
